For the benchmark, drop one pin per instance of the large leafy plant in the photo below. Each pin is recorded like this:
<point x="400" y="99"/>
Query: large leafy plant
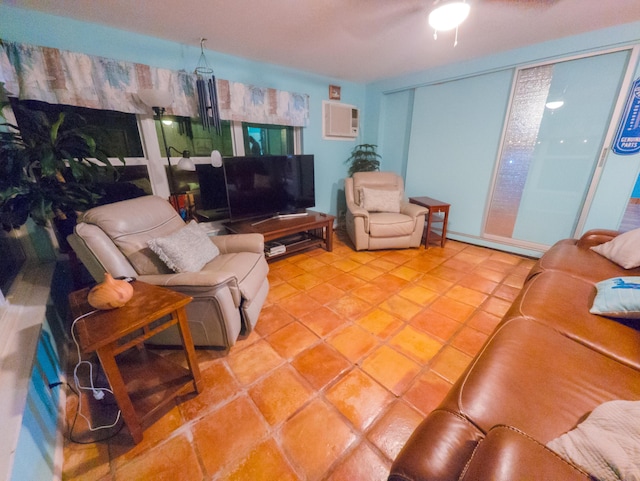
<point x="48" y="168"/>
<point x="364" y="158"/>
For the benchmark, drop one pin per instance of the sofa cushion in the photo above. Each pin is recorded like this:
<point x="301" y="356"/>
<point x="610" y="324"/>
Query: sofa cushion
<point x="186" y="250"/>
<point x="507" y="454"/>
<point x="535" y="379"/>
<point x="386" y="224"/>
<point x="577" y="261"/>
<point x="623" y="249"/>
<point x="377" y="200"/>
<point x="618" y="297"/>
<point x="562" y="302"/>
<point x="607" y="443"/>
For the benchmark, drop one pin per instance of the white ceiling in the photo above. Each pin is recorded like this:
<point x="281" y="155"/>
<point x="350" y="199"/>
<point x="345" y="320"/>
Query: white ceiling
<point x="356" y="40"/>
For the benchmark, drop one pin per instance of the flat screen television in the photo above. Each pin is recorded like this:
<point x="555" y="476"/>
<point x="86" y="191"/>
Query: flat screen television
<point x="266" y="186"/>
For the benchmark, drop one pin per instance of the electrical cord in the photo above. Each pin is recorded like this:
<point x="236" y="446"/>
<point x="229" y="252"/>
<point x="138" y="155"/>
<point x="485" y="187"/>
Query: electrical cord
<point x="75" y="419"/>
<point x="98" y="392"/>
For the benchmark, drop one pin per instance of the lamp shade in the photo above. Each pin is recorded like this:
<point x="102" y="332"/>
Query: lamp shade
<point x="449" y="15"/>
<point x="216" y="158"/>
<point x="155" y="97"/>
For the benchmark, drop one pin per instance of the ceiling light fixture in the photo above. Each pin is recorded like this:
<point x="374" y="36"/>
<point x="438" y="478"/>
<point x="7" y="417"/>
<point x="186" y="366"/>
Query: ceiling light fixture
<point x="555" y="104"/>
<point x="447" y="16"/>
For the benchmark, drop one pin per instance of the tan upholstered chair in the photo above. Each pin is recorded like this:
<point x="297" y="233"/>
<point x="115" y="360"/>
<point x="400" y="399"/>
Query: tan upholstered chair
<point x="228" y="292"/>
<point x="378" y="217"/>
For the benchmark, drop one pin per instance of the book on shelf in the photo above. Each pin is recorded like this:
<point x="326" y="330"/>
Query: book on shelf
<point x="274" y="249"/>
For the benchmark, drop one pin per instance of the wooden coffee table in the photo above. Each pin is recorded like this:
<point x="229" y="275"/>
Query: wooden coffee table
<point x="298" y="233"/>
<point x="142" y="381"/>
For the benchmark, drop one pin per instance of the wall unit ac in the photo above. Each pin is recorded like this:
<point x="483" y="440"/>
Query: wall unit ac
<point x="340" y="121"/>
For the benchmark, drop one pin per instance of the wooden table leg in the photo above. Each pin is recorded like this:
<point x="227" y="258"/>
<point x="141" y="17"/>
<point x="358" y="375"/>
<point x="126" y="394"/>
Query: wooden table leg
<point x="108" y="361"/>
<point x="187" y="342"/>
<point x="329" y="234"/>
<point x="444" y="227"/>
<point x="426" y="235"/>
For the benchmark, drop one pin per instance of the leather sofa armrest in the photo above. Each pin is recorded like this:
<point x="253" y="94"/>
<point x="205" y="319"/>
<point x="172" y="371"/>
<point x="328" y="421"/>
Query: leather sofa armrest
<point x="439" y="448"/>
<point x="357" y="211"/>
<point x="413" y="210"/>
<point x="595" y="237"/>
<point x="507" y="454"/>
<point x="239" y="243"/>
<point x="206" y="279"/>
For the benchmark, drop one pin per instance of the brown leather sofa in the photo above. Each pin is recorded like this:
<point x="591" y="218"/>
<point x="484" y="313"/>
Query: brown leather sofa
<point x="546" y="366"/>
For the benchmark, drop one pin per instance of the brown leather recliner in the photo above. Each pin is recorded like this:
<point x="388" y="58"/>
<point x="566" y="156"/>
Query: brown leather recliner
<point x="381" y="228"/>
<point x="228" y="292"/>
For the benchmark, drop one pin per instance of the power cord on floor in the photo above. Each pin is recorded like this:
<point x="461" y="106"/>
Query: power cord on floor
<point x="72" y="425"/>
<point x="98" y="392"/>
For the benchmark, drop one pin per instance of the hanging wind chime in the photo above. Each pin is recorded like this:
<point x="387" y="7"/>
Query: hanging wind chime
<point x="207" y="93"/>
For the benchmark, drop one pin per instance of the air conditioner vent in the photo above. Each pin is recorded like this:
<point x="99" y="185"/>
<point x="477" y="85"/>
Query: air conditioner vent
<point x="340" y="121"/>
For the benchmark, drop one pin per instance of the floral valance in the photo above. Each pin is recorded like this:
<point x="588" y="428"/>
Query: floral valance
<point x="62" y="77"/>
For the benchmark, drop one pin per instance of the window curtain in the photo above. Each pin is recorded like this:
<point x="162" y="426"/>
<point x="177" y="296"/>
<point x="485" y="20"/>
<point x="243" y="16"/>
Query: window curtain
<point x="62" y="77"/>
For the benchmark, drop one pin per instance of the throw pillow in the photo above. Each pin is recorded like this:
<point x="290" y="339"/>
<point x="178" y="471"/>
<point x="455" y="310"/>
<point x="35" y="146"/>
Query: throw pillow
<point x="618" y="297"/>
<point x="606" y="444"/>
<point x="186" y="250"/>
<point x="375" y="200"/>
<point x="623" y="249"/>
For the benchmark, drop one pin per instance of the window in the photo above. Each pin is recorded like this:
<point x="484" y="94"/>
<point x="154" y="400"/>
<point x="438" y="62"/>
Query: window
<point x="184" y="133"/>
<point x="261" y="139"/>
<point x="117" y="132"/>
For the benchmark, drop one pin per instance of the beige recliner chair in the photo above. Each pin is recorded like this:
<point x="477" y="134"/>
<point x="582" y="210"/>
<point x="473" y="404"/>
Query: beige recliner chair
<point x="228" y="292"/>
<point x="378" y="217"/>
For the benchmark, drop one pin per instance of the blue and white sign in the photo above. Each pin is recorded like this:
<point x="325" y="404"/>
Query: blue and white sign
<point x="627" y="140"/>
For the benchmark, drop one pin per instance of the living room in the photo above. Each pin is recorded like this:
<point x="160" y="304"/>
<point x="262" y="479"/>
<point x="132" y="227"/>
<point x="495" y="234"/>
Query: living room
<point x="410" y="118"/>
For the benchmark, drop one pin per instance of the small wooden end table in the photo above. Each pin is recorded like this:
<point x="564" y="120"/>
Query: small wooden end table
<point x="435" y="207"/>
<point x="142" y="381"/>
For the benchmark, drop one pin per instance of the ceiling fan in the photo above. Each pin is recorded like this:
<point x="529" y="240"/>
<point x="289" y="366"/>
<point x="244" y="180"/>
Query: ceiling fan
<point x="364" y="16"/>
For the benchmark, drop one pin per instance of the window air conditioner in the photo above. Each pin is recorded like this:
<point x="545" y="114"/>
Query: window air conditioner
<point x="340" y="121"/>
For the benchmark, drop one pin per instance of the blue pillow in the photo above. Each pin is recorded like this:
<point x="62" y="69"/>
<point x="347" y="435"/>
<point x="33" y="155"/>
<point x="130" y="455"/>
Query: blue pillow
<point x="618" y="297"/>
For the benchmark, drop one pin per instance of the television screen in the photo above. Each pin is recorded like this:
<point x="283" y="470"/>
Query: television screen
<point x="269" y="185"/>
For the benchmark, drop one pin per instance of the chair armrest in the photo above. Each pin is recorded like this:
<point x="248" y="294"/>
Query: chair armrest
<point x="239" y="243"/>
<point x="413" y="210"/>
<point x="205" y="279"/>
<point x="595" y="237"/>
<point x="357" y="211"/>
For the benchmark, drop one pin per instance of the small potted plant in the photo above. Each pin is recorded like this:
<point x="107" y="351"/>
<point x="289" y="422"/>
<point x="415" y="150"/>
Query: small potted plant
<point x="364" y="158"/>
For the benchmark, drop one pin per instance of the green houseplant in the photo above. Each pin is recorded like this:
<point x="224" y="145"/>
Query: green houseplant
<point x="45" y="171"/>
<point x="364" y="158"/>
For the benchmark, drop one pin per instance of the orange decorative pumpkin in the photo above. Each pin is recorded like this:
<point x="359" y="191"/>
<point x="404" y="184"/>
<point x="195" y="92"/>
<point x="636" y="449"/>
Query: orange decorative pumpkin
<point x="110" y="294"/>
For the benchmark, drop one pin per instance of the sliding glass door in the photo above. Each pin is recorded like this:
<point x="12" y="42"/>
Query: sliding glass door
<point x="555" y="134"/>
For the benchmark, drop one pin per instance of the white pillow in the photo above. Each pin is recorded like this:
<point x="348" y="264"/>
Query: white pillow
<point x="623" y="249"/>
<point x="186" y="250"/>
<point x="375" y="200"/>
<point x="606" y="444"/>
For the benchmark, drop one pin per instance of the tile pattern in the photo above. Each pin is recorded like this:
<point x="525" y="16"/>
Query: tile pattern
<point x="352" y="350"/>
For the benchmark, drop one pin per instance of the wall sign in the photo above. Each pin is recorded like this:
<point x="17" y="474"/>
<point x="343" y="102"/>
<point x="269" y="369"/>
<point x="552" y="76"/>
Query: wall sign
<point x="627" y="140"/>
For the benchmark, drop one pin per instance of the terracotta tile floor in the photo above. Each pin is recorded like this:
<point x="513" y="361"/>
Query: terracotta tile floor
<point x="352" y="350"/>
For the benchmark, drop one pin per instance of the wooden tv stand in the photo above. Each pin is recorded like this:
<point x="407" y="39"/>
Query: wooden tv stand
<point x="297" y="233"/>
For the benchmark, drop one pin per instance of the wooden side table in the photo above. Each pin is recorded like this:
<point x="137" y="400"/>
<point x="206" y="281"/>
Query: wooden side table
<point x="142" y="381"/>
<point x="435" y="207"/>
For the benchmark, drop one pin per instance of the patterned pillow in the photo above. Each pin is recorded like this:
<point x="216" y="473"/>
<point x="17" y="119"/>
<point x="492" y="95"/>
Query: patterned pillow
<point x="618" y="297"/>
<point x="375" y="200"/>
<point x="186" y="250"/>
<point x="623" y="249"/>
